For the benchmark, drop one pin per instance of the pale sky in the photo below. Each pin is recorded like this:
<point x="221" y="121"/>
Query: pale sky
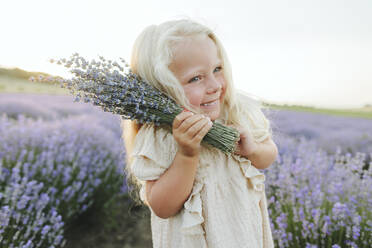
<point x="315" y="52"/>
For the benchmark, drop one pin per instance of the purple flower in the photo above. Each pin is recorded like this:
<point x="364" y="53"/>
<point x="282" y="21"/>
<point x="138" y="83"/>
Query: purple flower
<point x="320" y="191"/>
<point x="45" y="230"/>
<point x="21" y="204"/>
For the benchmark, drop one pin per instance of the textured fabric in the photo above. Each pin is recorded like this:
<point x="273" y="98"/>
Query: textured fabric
<point x="226" y="208"/>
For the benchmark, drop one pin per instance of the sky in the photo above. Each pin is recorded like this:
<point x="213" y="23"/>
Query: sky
<point x="316" y="53"/>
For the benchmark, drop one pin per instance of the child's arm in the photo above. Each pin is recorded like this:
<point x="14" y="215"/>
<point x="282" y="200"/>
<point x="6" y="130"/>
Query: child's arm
<point x="167" y="194"/>
<point x="262" y="154"/>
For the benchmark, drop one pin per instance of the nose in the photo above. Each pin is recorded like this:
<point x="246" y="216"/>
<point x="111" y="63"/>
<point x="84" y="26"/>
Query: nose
<point x="213" y="85"/>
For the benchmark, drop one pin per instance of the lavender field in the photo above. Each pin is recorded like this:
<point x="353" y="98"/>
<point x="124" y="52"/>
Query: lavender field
<point x="61" y="159"/>
<point x="319" y="189"/>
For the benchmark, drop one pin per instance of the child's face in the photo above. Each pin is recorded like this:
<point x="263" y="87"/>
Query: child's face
<point x="197" y="66"/>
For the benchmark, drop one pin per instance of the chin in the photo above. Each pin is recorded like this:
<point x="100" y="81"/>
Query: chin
<point x="213" y="114"/>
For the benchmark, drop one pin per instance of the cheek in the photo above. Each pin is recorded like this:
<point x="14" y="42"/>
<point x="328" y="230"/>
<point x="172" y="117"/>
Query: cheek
<point x="194" y="95"/>
<point x="223" y="84"/>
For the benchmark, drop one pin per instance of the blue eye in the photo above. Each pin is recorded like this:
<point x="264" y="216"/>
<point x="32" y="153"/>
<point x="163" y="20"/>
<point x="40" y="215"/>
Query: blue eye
<point x="194" y="79"/>
<point x="218" y="68"/>
<point x="197" y="78"/>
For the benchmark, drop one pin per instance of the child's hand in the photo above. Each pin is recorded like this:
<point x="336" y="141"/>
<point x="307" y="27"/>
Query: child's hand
<point x="246" y="145"/>
<point x="188" y="130"/>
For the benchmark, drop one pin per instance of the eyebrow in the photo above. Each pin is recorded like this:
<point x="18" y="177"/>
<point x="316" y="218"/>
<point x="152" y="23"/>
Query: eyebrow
<point x="189" y="75"/>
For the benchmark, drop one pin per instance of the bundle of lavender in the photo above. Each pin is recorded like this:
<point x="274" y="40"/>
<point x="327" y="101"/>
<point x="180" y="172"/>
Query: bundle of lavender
<point x="116" y="89"/>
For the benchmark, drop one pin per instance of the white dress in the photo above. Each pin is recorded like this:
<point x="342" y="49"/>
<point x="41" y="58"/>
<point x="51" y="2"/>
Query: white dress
<point x="226" y="208"/>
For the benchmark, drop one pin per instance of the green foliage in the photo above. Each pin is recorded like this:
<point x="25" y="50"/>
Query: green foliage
<point x="364" y="112"/>
<point x="19" y="73"/>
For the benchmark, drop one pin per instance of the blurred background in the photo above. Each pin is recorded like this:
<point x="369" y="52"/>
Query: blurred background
<point x="314" y="53"/>
<point x="62" y="180"/>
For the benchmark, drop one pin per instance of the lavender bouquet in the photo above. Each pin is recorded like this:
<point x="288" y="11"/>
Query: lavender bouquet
<point x="118" y="90"/>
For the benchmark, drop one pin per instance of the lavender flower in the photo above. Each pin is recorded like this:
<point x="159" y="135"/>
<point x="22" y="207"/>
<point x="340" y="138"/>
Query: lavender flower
<point x="116" y="89"/>
<point x="349" y="134"/>
<point x="318" y="194"/>
<point x="19" y="227"/>
<point x="321" y="199"/>
<point x="39" y="159"/>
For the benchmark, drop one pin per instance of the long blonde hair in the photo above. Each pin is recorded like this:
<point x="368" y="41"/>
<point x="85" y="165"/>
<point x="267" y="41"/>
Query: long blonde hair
<point x="152" y="53"/>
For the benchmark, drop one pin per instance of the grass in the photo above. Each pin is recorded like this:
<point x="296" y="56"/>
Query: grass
<point x="10" y="84"/>
<point x="365" y="112"/>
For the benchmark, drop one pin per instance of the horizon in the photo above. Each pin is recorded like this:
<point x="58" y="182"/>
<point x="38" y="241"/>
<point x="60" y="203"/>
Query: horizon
<point x="267" y="102"/>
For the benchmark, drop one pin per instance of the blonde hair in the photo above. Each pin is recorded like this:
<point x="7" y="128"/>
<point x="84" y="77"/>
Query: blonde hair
<point x="152" y="53"/>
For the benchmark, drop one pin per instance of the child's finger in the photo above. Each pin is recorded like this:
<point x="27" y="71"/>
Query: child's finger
<point x="189" y="122"/>
<point x="195" y="128"/>
<point x="203" y="131"/>
<point x="180" y="118"/>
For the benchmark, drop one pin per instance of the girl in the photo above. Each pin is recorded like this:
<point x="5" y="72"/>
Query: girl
<point x="198" y="196"/>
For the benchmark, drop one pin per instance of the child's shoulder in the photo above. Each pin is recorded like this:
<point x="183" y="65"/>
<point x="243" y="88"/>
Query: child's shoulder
<point x="155" y="142"/>
<point x="150" y="133"/>
<point x="151" y="128"/>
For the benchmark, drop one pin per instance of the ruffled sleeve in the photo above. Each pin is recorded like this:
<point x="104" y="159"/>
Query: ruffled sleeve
<point x="192" y="216"/>
<point x="255" y="178"/>
<point x="192" y="220"/>
<point x="153" y="152"/>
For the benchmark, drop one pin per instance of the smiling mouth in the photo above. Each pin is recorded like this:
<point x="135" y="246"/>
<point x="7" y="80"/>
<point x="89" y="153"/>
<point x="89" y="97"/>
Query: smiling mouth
<point x="212" y="103"/>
